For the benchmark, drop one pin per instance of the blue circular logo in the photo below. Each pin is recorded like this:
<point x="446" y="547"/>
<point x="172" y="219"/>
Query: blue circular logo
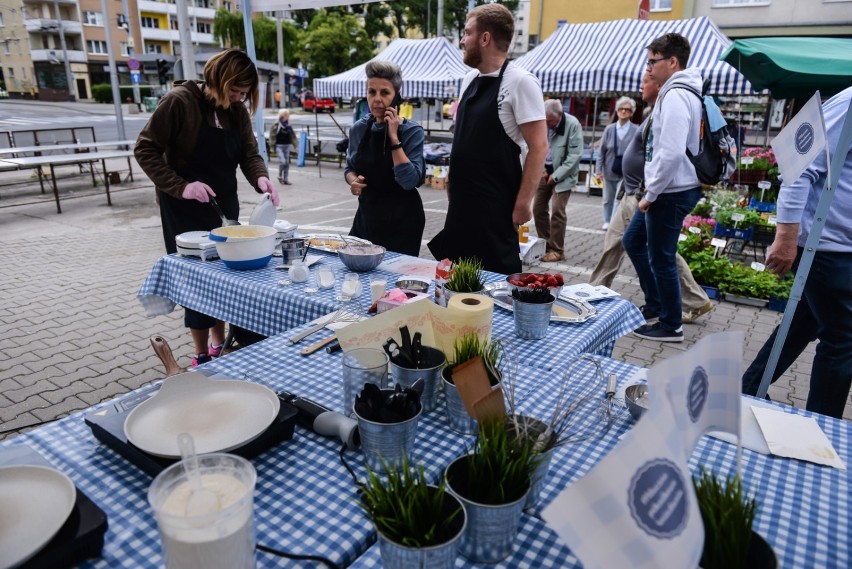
<point x="658" y="500"/>
<point x="696" y="395"/>
<point x="804" y="138"/>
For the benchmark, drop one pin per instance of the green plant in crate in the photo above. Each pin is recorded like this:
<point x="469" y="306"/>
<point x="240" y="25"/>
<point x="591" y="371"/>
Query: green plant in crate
<point x="703" y="208"/>
<point x="728" y="514"/>
<point x="406" y="510"/>
<point x="708" y="269"/>
<point x="724" y="217"/>
<point x="466" y="276"/>
<point x="745" y="281"/>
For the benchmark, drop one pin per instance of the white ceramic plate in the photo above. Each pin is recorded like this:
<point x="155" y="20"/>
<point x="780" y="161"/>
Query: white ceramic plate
<point x="219" y="414"/>
<point x="330" y="242"/>
<point x="571" y="310"/>
<point x="35" y="502"/>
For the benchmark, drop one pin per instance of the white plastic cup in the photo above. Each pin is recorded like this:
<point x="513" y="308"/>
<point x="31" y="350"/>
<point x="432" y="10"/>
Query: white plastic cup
<point x="223" y="539"/>
<point x="377" y="289"/>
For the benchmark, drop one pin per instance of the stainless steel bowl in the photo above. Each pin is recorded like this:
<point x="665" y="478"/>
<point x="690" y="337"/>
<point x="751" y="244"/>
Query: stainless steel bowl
<point x="554" y="290"/>
<point x="361" y="258"/>
<point x="637" y="399"/>
<point x="414" y="285"/>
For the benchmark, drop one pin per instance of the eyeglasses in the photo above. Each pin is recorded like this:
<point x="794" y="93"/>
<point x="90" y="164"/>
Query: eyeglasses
<point x="626" y="110"/>
<point x="650" y="63"/>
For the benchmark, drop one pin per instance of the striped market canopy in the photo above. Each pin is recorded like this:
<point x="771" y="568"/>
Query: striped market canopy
<point x="430" y="68"/>
<point x="609" y="57"/>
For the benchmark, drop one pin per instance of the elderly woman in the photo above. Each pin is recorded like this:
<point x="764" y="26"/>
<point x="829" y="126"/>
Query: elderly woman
<point x="384" y="166"/>
<point x="282" y="136"/>
<point x="191" y="148"/>
<point x="615" y="138"/>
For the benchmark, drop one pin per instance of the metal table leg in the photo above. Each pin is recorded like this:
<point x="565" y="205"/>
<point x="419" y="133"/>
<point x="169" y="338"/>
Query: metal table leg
<point x="106" y="181"/>
<point x="55" y="189"/>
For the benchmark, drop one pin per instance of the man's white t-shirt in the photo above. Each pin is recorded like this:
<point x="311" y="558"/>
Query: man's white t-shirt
<point x="519" y="101"/>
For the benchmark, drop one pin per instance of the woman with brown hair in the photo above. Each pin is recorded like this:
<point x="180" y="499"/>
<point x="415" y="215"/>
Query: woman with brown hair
<point x="190" y="148"/>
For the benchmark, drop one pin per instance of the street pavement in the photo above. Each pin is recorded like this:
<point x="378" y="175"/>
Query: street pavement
<point x="73" y="333"/>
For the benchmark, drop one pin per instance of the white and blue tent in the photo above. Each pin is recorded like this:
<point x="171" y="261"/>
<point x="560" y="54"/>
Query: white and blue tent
<point x="609" y="57"/>
<point x="430" y="68"/>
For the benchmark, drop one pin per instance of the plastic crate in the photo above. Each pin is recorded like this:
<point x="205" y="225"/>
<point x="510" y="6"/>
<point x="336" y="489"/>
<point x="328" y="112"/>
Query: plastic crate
<point x="733" y="232"/>
<point x="762" y="207"/>
<point x="712" y="292"/>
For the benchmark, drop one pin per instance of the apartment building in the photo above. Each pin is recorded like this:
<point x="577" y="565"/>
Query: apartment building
<point x="33" y="62"/>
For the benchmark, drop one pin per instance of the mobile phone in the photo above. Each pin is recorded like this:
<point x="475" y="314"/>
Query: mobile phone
<point x="397" y="99"/>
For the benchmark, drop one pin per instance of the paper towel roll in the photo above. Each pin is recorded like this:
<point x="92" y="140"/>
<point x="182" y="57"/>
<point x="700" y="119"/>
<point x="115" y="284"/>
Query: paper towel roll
<point x="465" y="313"/>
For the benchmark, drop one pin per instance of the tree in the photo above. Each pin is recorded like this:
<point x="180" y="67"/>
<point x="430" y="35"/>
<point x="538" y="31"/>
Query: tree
<point x="455" y="12"/>
<point x="334" y="43"/>
<point x="230" y="30"/>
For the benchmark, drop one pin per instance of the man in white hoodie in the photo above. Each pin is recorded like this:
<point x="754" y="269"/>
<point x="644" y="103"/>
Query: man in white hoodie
<point x="671" y="186"/>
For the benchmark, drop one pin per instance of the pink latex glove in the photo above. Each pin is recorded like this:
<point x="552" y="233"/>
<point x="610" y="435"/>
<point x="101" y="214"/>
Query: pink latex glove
<point x="198" y="191"/>
<point x="267" y="187"/>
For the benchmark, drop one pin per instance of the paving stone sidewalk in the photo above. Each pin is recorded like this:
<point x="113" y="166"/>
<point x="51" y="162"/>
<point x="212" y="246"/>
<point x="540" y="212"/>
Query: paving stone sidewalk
<point x="73" y="333"/>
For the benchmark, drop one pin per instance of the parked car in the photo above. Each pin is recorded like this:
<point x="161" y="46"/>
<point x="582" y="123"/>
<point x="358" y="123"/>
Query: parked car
<point x="311" y="102"/>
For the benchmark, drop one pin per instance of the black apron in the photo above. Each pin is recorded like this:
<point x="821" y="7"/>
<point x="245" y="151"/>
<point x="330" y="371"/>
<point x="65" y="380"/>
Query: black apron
<point x="484" y="180"/>
<point x="388" y="215"/>
<point x="214" y="162"/>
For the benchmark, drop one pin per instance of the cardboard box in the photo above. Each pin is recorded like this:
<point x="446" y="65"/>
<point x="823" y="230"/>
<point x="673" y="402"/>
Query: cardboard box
<point x="532" y="250"/>
<point x="384" y="304"/>
<point x="440" y="177"/>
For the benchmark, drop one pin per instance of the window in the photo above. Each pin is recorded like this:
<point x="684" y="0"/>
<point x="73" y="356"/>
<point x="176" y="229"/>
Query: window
<point x="727" y="3"/>
<point x="228" y="6"/>
<point x="150" y="22"/>
<point x="93" y="19"/>
<point x="125" y="50"/>
<point x="173" y="24"/>
<point x="202" y="28"/>
<point x="202" y="3"/>
<point x="6" y="47"/>
<point x="1" y="20"/>
<point x="661" y="5"/>
<point x="97" y="47"/>
<point x="153" y="48"/>
<point x="11" y="72"/>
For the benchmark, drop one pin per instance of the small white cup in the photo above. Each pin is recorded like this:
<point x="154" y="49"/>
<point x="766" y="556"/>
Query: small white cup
<point x="377" y="288"/>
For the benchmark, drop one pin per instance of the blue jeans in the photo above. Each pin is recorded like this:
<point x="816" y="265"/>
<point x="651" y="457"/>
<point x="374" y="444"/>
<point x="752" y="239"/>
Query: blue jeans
<point x="283" y="151"/>
<point x="610" y="188"/>
<point x="824" y="313"/>
<point x="651" y="243"/>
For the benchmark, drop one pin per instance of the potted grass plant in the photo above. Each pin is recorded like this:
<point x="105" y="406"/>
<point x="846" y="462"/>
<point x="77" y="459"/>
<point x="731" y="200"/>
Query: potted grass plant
<point x="419" y="524"/>
<point x="466" y="276"/>
<point x="728" y="514"/>
<point x="466" y="348"/>
<point x="492" y="483"/>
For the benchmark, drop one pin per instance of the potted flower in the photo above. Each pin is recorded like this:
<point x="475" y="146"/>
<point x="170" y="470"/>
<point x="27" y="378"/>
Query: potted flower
<point x="419" y="524"/>
<point x="492" y="483"/>
<point x="744" y="285"/>
<point x="727" y="226"/>
<point x="466" y="348"/>
<point x="755" y="164"/>
<point x="708" y="269"/>
<point x="728" y="514"/>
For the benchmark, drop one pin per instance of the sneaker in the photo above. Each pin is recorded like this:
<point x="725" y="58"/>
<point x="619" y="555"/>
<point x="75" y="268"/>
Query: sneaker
<point x="605" y="226"/>
<point x="552" y="257"/>
<point x="648" y="314"/>
<point x="288" y="183"/>
<point x="657" y="332"/>
<point x="692" y="315"/>
<point x="215" y="351"/>
<point x="199" y="359"/>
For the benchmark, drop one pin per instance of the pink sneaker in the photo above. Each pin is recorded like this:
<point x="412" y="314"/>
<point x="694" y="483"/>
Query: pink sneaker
<point x="199" y="359"/>
<point x="215" y="351"/>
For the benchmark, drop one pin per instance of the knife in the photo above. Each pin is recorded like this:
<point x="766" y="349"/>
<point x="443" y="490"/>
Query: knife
<point x="316" y="346"/>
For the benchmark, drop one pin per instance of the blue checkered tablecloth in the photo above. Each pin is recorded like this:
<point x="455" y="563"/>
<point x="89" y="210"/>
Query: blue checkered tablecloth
<point x="254" y="300"/>
<point x="804" y="508"/>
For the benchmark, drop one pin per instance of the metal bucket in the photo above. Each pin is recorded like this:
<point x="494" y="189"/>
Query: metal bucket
<point x="443" y="556"/>
<point x="387" y="442"/>
<point x="536" y="427"/>
<point x="457" y="416"/>
<point x="491" y="529"/>
<point x="430" y="376"/>
<point x="531" y="320"/>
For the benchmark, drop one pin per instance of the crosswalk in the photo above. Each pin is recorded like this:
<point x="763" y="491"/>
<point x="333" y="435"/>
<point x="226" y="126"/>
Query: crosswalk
<point x="53" y="121"/>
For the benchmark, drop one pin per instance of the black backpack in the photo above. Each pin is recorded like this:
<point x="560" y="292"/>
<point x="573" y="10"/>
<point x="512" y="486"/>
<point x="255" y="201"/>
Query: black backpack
<point x="715" y="160"/>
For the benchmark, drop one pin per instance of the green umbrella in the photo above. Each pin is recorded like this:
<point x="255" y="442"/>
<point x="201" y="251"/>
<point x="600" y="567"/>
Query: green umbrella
<point x="795" y="66"/>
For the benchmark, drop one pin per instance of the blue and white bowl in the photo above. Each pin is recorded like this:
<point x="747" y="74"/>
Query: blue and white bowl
<point x="244" y="246"/>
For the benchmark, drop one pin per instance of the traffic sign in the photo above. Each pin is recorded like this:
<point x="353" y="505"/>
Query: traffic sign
<point x="135" y="77"/>
<point x="133" y="64"/>
<point x="303" y="72"/>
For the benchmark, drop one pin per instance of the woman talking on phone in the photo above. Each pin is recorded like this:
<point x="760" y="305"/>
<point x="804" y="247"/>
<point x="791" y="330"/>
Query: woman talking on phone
<point x="384" y="167"/>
